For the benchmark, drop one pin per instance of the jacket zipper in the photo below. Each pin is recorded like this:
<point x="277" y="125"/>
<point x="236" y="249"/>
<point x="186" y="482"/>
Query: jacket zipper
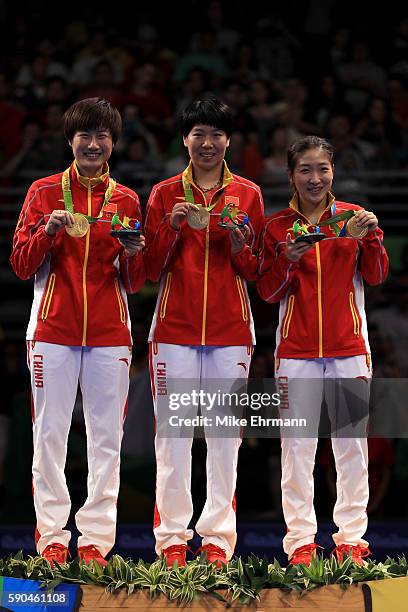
<point x="85" y="265"/>
<point x="288" y="316"/>
<point x="207" y="252"/>
<point x="242" y="298"/>
<point x="48" y="297"/>
<point x="354" y="314"/>
<point x="122" y="310"/>
<point x="165" y="297"/>
<point x="206" y="258"/>
<point x="319" y="299"/>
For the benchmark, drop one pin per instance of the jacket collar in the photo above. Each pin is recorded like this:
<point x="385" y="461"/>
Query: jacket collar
<point x="227" y="177"/>
<point x="294" y="204"/>
<point x="86" y="181"/>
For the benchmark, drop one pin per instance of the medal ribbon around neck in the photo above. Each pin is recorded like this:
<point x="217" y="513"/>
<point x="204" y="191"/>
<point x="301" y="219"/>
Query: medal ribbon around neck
<point x="68" y="202"/>
<point x="189" y="196"/>
<point x="334" y="219"/>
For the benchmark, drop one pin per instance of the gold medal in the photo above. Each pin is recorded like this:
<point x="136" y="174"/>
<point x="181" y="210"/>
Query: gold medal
<point x="81" y="223"/>
<point x="198" y="218"/>
<point x="354" y="231"/>
<point x="80" y="227"/>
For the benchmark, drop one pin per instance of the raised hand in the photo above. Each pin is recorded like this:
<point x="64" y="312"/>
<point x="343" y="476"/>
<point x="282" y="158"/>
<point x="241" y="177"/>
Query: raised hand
<point x="57" y="221"/>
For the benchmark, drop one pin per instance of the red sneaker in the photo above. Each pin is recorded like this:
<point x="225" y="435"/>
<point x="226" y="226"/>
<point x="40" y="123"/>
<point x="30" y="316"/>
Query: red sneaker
<point x="174" y="553"/>
<point x="55" y="553"/>
<point x="304" y="554"/>
<point x="215" y="554"/>
<point x="357" y="553"/>
<point x="90" y="553"/>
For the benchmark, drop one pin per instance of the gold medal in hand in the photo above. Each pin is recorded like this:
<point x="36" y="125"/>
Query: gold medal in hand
<point x="353" y="230"/>
<point x="80" y="227"/>
<point x="198" y="218"/>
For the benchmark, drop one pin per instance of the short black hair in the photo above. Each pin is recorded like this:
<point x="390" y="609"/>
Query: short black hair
<point x="305" y="143"/>
<point x="211" y="111"/>
<point x="92" y="114"/>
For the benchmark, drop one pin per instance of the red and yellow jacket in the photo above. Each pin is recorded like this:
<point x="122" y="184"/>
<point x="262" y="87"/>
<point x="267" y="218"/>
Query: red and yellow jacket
<point x="203" y="298"/>
<point x="80" y="283"/>
<point x="322" y="296"/>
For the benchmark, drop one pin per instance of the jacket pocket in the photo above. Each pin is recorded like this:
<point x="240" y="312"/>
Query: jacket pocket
<point x="242" y="297"/>
<point x="354" y="314"/>
<point x="122" y="309"/>
<point x="165" y="296"/>
<point x="48" y="296"/>
<point x="288" y="317"/>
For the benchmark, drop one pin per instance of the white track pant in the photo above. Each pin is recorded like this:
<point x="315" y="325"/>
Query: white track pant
<point x="174" y="508"/>
<point x="298" y="454"/>
<point x="103" y="376"/>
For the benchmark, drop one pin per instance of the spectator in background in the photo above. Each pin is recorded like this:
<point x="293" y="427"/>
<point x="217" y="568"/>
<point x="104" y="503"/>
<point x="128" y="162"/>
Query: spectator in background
<point x="361" y="77"/>
<point x="57" y="91"/>
<point x="137" y="167"/>
<point x="350" y="159"/>
<point x="392" y="321"/>
<point x="276" y="48"/>
<point x="340" y="47"/>
<point x="244" y="66"/>
<point x="261" y="109"/>
<point x="133" y="127"/>
<point x="98" y="50"/>
<point x="276" y="164"/>
<point x="31" y="80"/>
<point x="298" y="106"/>
<point x="283" y="119"/>
<point x="225" y="38"/>
<point x="378" y="128"/>
<point x="235" y="95"/>
<point x="203" y="56"/>
<point x="11" y="122"/>
<point x="328" y="101"/>
<point x="28" y="158"/>
<point x="149" y="48"/>
<point x="51" y="144"/>
<point x="194" y="87"/>
<point x="398" y="99"/>
<point x="147" y="92"/>
<point x="44" y="149"/>
<point x="345" y="143"/>
<point x="399" y="47"/>
<point x="244" y="155"/>
<point x="102" y="83"/>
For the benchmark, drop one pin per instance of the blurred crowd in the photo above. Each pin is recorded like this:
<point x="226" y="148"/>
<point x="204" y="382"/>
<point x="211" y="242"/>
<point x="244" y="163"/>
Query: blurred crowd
<point x="280" y="79"/>
<point x="307" y="68"/>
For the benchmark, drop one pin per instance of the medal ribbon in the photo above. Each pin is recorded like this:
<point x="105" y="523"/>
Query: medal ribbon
<point x="67" y="195"/>
<point x="189" y="196"/>
<point x="332" y="222"/>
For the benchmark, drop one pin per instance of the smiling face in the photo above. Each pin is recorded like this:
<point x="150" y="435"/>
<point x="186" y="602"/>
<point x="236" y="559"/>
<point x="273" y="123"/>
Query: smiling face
<point x="91" y="150"/>
<point x="312" y="176"/>
<point x="206" y="146"/>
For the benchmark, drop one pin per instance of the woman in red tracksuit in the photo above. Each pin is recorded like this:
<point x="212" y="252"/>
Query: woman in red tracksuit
<point x="79" y="329"/>
<point x="322" y="334"/>
<point x="202" y="327"/>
